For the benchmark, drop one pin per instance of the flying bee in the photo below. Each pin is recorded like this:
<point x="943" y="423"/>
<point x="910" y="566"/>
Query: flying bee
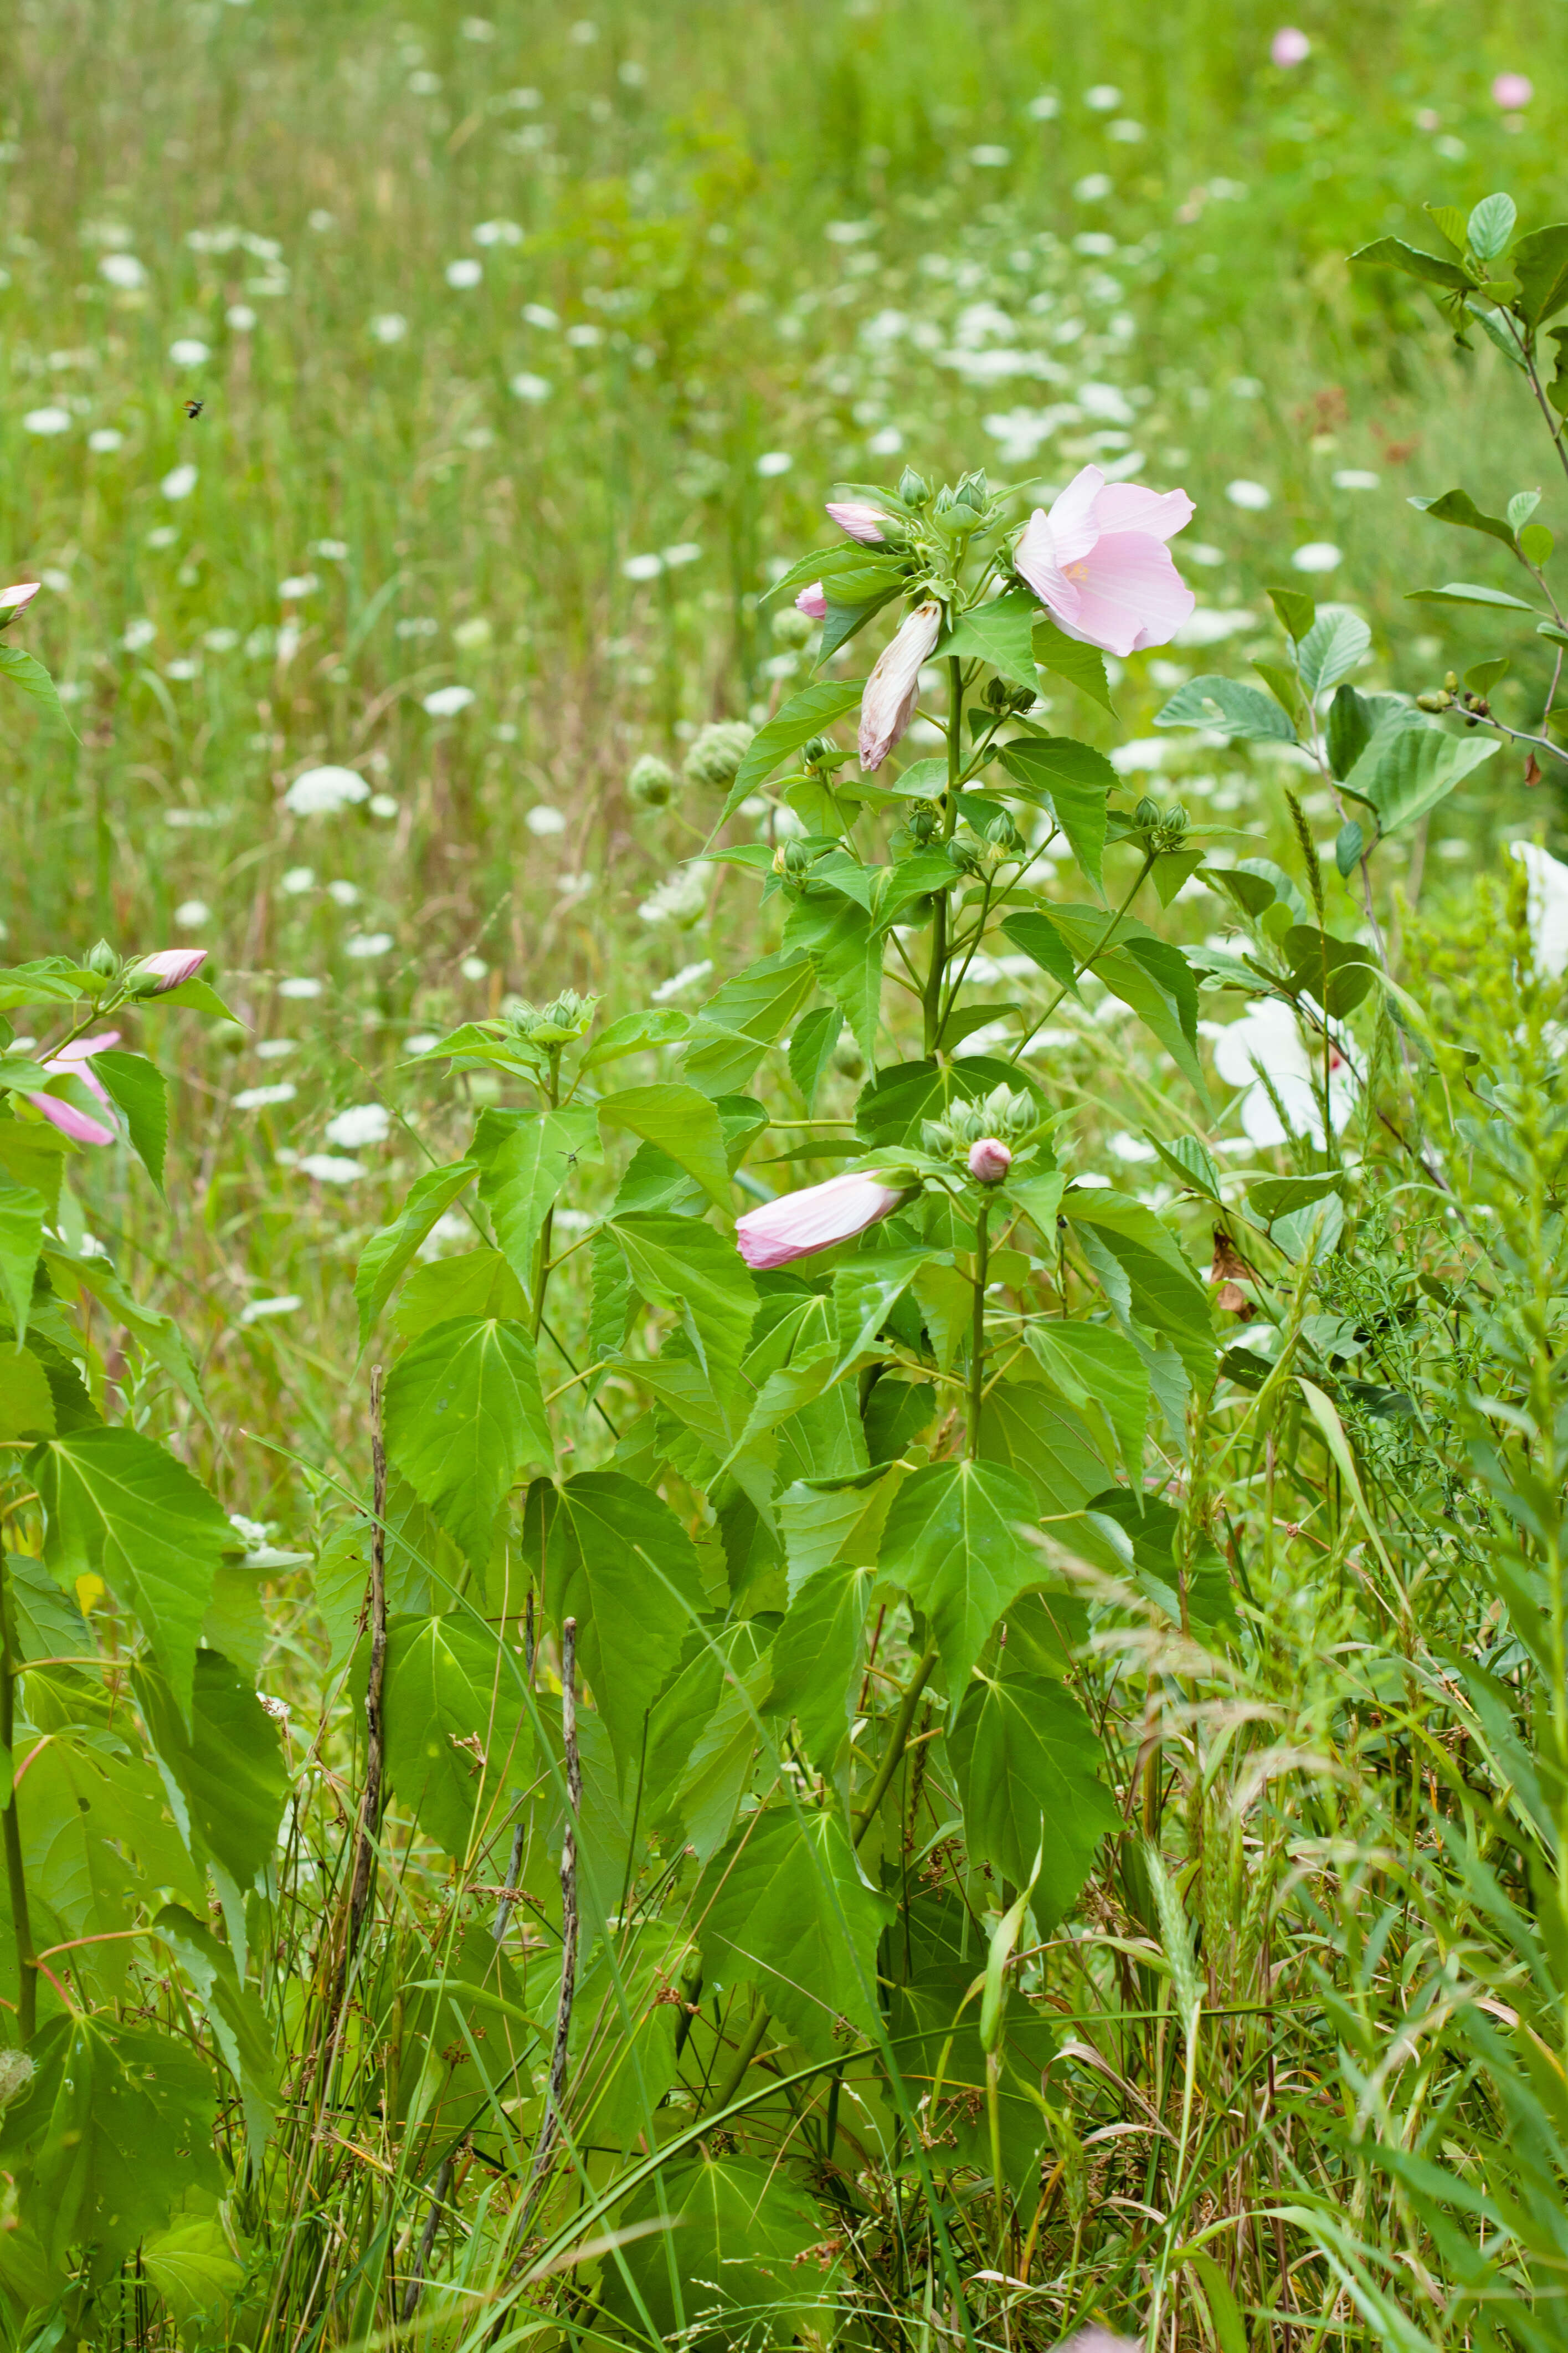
<point x="193" y="409"/>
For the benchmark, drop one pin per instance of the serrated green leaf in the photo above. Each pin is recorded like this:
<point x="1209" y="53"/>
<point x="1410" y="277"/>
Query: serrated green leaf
<point x="26" y="1401"/>
<point x="524" y="1159"/>
<point x="812" y="1048"/>
<point x="1082" y="666"/>
<point x="238" y="2023"/>
<point x="722" y="2254"/>
<point x="1028" y="1763"/>
<point x="227" y="1762"/>
<point x="1540" y="265"/>
<point x="784" y="1907"/>
<point x="636" y="1033"/>
<point x="193" y="2267"/>
<point x="1074" y="780"/>
<point x="477" y="1282"/>
<point x="1225" y="705"/>
<point x="1128" y="1246"/>
<point x="953" y="1545"/>
<point x="1297" y="609"/>
<point x="389" y="1253"/>
<point x="22" y="1214"/>
<point x="1038" y="938"/>
<point x="1157" y="980"/>
<point x="806" y="715"/>
<point x="680" y="1263"/>
<point x="119" y="1507"/>
<point x="738" y="1025"/>
<point x="679" y="1123"/>
<point x="34" y="682"/>
<point x="464" y="1418"/>
<point x="136" y="1086"/>
<point x="1405" y="771"/>
<point x="1000" y="632"/>
<point x="1096" y="1367"/>
<point x="455" y="1714"/>
<point x="846" y="950"/>
<point x="159" y="1334"/>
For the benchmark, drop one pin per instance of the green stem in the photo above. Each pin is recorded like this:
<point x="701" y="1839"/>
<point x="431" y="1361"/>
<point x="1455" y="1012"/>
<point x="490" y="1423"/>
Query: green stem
<point x="866" y="1814"/>
<point x="938" y="967"/>
<point x="977" y="1335"/>
<point x="541" y="1268"/>
<point x="744" y="2058"/>
<point x="1095" y="953"/>
<point x="15" y="1878"/>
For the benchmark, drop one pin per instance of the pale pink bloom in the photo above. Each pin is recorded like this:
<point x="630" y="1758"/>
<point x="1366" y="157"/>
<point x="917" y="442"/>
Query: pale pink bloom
<point x="1290" y="47"/>
<point x="888" y="705"/>
<point x="172" y="966"/>
<point x="1100" y="564"/>
<point x="16" y="600"/>
<point x="860" y="521"/>
<point x="813" y="602"/>
<point x="73" y="1061"/>
<point x="797" y="1224"/>
<point x="1513" y="90"/>
<point x="989" y="1160"/>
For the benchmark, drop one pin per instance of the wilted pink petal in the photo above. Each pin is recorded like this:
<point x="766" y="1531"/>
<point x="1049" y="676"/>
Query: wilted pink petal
<point x="813" y="602"/>
<point x="800" y="1223"/>
<point x="888" y="702"/>
<point x="1098" y="562"/>
<point x="989" y="1160"/>
<point x="858" y="520"/>
<point x="171" y="966"/>
<point x="1290" y="47"/>
<point x="1512" y="90"/>
<point x="16" y="600"/>
<point x="71" y="1121"/>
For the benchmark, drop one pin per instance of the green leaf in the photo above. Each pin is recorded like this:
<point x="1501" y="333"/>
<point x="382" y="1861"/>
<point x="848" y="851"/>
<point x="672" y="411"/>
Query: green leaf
<point x="724" y="2256"/>
<point x="812" y="1048"/>
<point x="1028" y="1763"/>
<point x="22" y="1215"/>
<point x="121" y="1508"/>
<point x="455" y="1713"/>
<point x="464" y="1415"/>
<point x="784" y="1907"/>
<point x="1469" y="592"/>
<point x="1157" y="980"/>
<point x="47" y="980"/>
<point x="1354" y="719"/>
<point x="1038" y="938"/>
<point x="196" y="996"/>
<point x="31" y="1155"/>
<point x="114" y="2128"/>
<point x="1192" y="1163"/>
<point x="20" y="1074"/>
<point x="26" y="1401"/>
<point x="389" y="1253"/>
<point x="1536" y="544"/>
<point x="1349" y="843"/>
<point x="1457" y="506"/>
<point x="1074" y="780"/>
<point x="136" y="1086"/>
<point x="1392" y="253"/>
<point x="953" y="1545"/>
<point x="238" y="2023"/>
<point x="1225" y="2313"/>
<point x="1297" y="608"/>
<point x="227" y="1762"/>
<point x="738" y="1025"/>
<point x="636" y="1033"/>
<point x="680" y="1263"/>
<point x="816" y="1661"/>
<point x="806" y="715"/>
<point x="893" y="1104"/>
<point x="477" y="1282"/>
<point x="1125" y="1239"/>
<point x="159" y="1335"/>
<point x="846" y="950"/>
<point x="193" y="2267"/>
<point x="1097" y="1368"/>
<point x="524" y="1159"/>
<point x="1224" y="704"/>
<point x="614" y="1556"/>
<point x="35" y="680"/>
<point x="1490" y="226"/>
<point x="1337" y="643"/>
<point x="1338" y="973"/>
<point x="1082" y="666"/>
<point x="1540" y="263"/>
<point x="681" y="1123"/>
<point x="1000" y="632"/>
<point x="1406" y="771"/>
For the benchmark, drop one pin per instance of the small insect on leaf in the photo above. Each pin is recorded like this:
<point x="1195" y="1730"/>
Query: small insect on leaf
<point x="193" y="409"/>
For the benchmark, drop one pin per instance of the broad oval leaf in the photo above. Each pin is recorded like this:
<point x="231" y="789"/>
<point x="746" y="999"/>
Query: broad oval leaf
<point x="463" y="1418"/>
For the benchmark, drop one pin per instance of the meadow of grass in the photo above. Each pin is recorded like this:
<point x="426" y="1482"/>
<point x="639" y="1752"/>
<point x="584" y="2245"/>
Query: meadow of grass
<point x="526" y="346"/>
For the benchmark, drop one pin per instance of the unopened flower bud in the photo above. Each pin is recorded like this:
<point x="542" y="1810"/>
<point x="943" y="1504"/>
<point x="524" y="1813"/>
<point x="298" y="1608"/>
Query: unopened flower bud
<point x="1147" y="811"/>
<point x="1003" y="834"/>
<point x="989" y="1160"/>
<point x="913" y="487"/>
<point x="101" y="959"/>
<point x="154" y="976"/>
<point x="1434" y="702"/>
<point x="963" y="853"/>
<point x="944" y="501"/>
<point x="716" y="752"/>
<point x="652" y="782"/>
<point x="971" y="491"/>
<point x="16" y="600"/>
<point x="813" y="602"/>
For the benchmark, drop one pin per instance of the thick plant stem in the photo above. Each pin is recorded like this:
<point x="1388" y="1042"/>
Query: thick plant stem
<point x="15" y="1878"/>
<point x="375" y="1687"/>
<point x="977" y="1335"/>
<point x="866" y="1814"/>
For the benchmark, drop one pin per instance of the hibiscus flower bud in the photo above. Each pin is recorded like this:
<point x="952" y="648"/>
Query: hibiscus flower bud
<point x="989" y="1160"/>
<point x="16" y="600"/>
<point x="154" y="976"/>
<point x="858" y="520"/>
<point x="799" y="1224"/>
<point x="813" y="602"/>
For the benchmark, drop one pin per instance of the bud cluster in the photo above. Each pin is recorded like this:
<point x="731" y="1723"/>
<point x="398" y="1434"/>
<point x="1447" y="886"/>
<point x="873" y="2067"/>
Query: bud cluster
<point x="1000" y="696"/>
<point x="565" y="1018"/>
<point x="918" y="830"/>
<point x="1162" y="829"/>
<point x="716" y="754"/>
<point x="652" y="782"/>
<point x="1000" y="1121"/>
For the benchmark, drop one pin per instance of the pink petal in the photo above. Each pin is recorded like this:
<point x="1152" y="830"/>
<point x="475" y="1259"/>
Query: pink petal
<point x="799" y="1224"/>
<point x="1073" y="525"/>
<point x="1127" y="506"/>
<point x="858" y="521"/>
<point x="813" y="602"/>
<point x="1131" y="596"/>
<point x="72" y="1060"/>
<point x="1034" y="559"/>
<point x="172" y="966"/>
<point x="71" y="1121"/>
